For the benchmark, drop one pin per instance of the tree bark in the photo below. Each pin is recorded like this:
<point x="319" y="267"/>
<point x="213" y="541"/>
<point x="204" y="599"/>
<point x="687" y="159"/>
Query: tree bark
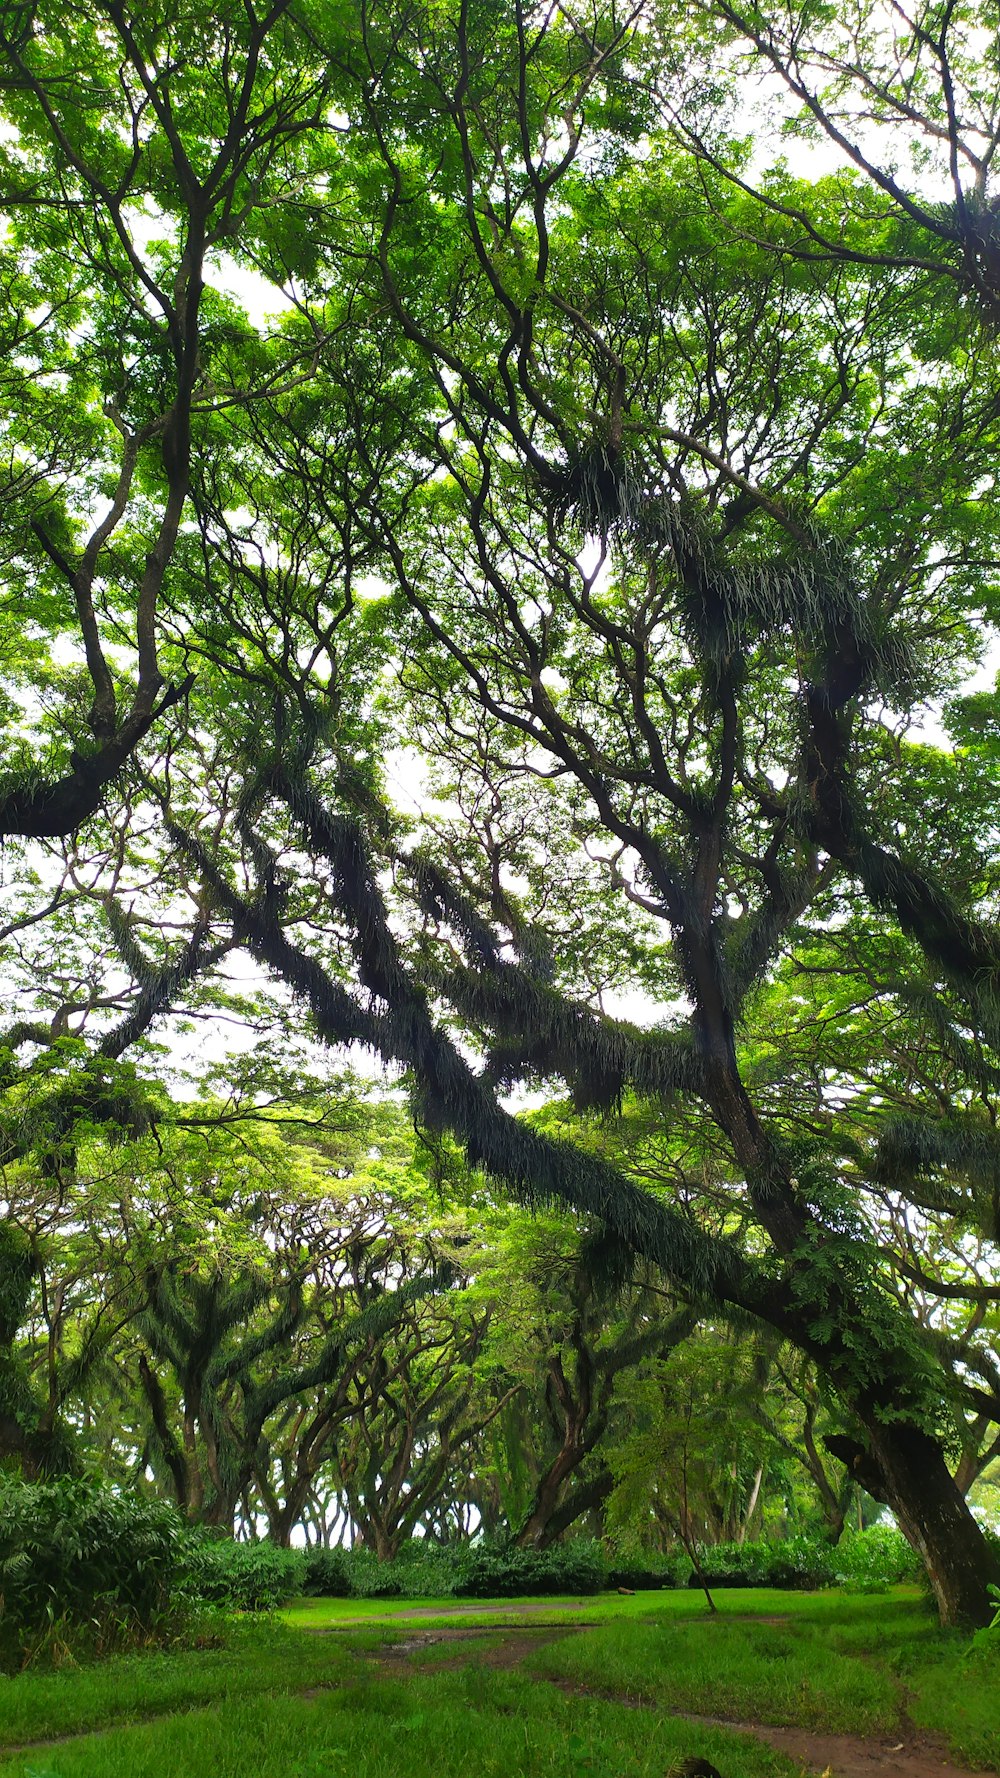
<point x="905" y="1468"/>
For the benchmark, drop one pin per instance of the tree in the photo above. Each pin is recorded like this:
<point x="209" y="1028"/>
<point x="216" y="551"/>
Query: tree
<point x="569" y="1337"/>
<point x="673" y="523"/>
<point x="195" y="1306"/>
<point x="416" y="1415"/>
<point x="29" y="1431"/>
<point x="143" y="144"/>
<point x="888" y="86"/>
<point x="689" y="624"/>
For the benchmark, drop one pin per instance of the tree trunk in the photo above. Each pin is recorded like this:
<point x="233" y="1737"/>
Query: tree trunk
<point x="284" y="1515"/>
<point x="548" y="1493"/>
<point x="906" y="1469"/>
<point x="386" y="1541"/>
<point x="908" y="1464"/>
<point x="933" y="1512"/>
<point x="741" y="1535"/>
<point x="587" y="1497"/>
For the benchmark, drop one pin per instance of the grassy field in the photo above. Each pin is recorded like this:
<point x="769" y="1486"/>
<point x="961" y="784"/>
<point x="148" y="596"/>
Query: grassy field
<point x="369" y="1694"/>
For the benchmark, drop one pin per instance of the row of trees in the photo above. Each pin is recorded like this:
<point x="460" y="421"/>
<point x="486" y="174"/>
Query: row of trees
<point x="296" y="1334"/>
<point x="453" y="395"/>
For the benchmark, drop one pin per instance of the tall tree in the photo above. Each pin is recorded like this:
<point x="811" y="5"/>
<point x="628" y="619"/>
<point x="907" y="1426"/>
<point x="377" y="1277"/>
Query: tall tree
<point x="674" y="524"/>
<point x="141" y="144"/>
<point x="905" y="94"/>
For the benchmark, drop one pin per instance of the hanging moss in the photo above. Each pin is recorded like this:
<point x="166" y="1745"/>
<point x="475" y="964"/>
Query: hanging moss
<point x="965" y="1150"/>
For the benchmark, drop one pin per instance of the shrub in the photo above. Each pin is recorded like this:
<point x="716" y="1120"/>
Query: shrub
<point x="427" y="1570"/>
<point x="869" y="1561"/>
<point x="242" y="1576"/>
<point x="369" y="1578"/>
<point x="325" y="1574"/>
<point x="792" y="1562"/>
<point x="77" y="1557"/>
<point x="642" y="1571"/>
<point x="421" y="1570"/>
<point x="500" y="1571"/>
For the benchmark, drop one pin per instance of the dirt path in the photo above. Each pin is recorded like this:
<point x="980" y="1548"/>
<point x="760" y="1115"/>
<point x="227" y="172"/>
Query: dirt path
<point x="463" y="1611"/>
<point x="821" y="1755"/>
<point x="507" y="1649"/>
<point x="852" y="1756"/>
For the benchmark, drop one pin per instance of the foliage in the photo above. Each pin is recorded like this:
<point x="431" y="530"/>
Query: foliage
<point x="241" y="1576"/>
<point x="640" y="1571"/>
<point x="422" y="1569"/>
<point x="987" y="1640"/>
<point x="793" y="1562"/>
<point x="77" y="1557"/>
<point x="644" y="493"/>
<point x="371" y="1578"/>
<point x="501" y="1571"/>
<point x="874" y="1559"/>
<point x="866" y="1561"/>
<point x="426" y="1570"/>
<point x="325" y="1574"/>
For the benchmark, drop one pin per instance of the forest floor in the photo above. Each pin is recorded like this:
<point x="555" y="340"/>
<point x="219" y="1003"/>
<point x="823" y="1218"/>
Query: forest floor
<point x="773" y="1685"/>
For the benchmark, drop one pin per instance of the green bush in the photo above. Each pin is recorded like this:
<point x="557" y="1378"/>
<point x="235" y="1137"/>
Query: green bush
<point x="422" y="1570"/>
<point x="242" y="1576"/>
<point x="325" y="1574"/>
<point x="791" y="1562"/>
<point x="499" y="1571"/>
<point x="369" y="1578"/>
<point x="76" y="1557"/>
<point x="869" y="1561"/>
<point x="428" y="1570"/>
<point x="642" y="1571"/>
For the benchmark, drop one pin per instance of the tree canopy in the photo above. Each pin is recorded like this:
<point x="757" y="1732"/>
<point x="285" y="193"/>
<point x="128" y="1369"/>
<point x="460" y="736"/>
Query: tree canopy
<point x="497" y="557"/>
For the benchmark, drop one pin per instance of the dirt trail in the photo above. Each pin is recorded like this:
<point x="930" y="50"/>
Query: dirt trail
<point x="833" y="1756"/>
<point x="852" y="1756"/>
<point x="507" y="1651"/>
<point x="521" y="1606"/>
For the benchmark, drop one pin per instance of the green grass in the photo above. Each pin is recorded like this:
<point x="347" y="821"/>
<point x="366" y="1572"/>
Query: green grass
<point x="274" y="1701"/>
<point x="600" y="1608"/>
<point x="447" y="1726"/>
<point x="254" y="1660"/>
<point x="603" y="1608"/>
<point x="340" y="1614"/>
<point x="959" y="1698"/>
<point x="457" y="1652"/>
<point x="744" y="1671"/>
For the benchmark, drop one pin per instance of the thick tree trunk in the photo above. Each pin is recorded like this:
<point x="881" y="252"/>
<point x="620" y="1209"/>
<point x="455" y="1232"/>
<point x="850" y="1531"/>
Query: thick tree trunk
<point x="548" y="1494"/>
<point x="905" y="1468"/>
<point x="587" y="1497"/>
<point x="913" y="1477"/>
<point x="933" y="1513"/>
<point x="919" y="1487"/>
<point x="386" y="1541"/>
<point x="284" y="1514"/>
